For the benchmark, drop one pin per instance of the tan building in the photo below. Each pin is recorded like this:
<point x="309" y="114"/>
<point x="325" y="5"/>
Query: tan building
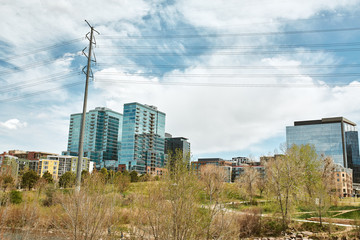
<point x="343" y="178"/>
<point x="51" y="166"/>
<point x="69" y="163"/>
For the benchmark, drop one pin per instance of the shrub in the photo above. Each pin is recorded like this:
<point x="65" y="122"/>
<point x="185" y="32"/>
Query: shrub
<point x="249" y="223"/>
<point x="67" y="180"/>
<point x="4" y="198"/>
<point x="134" y="176"/>
<point x="15" y="197"/>
<point x="271" y="227"/>
<point x="49" y="193"/>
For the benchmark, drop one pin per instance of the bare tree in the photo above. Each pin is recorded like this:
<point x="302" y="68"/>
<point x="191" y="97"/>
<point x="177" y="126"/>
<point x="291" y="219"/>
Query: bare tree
<point x="248" y="182"/>
<point x="88" y="213"/>
<point x="323" y="187"/>
<point x="283" y="178"/>
<point x="213" y="178"/>
<point x="169" y="207"/>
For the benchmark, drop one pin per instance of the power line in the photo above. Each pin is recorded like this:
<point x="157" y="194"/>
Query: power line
<point x="238" y="85"/>
<point x="39" y="92"/>
<point x="31" y="65"/>
<point x="232" y="75"/>
<point x="8" y="58"/>
<point x="232" y="34"/>
<point x="227" y="53"/>
<point x="32" y="83"/>
<point x="228" y="66"/>
<point x="233" y="47"/>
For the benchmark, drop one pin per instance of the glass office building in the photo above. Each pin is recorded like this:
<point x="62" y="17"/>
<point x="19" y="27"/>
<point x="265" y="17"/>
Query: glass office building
<point x="143" y="138"/>
<point x="173" y="144"/>
<point x="102" y="136"/>
<point x="334" y="137"/>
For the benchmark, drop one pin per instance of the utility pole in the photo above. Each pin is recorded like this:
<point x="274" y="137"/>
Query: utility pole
<point x="83" y="117"/>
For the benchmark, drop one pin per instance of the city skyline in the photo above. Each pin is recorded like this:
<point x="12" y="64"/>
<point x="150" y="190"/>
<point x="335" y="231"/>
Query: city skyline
<point x="229" y="75"/>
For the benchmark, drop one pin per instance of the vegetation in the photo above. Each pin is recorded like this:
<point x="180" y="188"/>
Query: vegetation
<point x="134" y="176"/>
<point x="29" y="179"/>
<point x="15" y="197"/>
<point x="182" y="204"/>
<point x="67" y="180"/>
<point x="48" y="177"/>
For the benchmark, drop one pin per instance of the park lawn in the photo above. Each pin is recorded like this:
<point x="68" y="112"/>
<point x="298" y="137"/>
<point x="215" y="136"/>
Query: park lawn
<point x="345" y="207"/>
<point x="350" y="215"/>
<point x="314" y="214"/>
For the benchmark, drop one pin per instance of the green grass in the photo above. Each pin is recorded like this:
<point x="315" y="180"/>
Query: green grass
<point x="346" y="207"/>
<point x="315" y="227"/>
<point x="350" y="215"/>
<point x="315" y="214"/>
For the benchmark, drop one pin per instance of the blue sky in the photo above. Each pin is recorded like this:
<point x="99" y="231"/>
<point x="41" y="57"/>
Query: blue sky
<point x="230" y="75"/>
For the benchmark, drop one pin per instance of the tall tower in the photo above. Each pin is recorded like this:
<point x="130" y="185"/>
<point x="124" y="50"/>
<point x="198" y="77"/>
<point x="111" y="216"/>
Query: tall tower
<point x="102" y="140"/>
<point x="173" y="144"/>
<point x="334" y="137"/>
<point x="143" y="139"/>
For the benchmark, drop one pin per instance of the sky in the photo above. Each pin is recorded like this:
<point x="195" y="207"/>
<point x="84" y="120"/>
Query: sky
<point x="230" y="75"/>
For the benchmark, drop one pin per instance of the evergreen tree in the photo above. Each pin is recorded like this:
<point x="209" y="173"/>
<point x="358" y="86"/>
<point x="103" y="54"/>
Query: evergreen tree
<point x="67" y="180"/>
<point x="48" y="177"/>
<point x="29" y="179"/>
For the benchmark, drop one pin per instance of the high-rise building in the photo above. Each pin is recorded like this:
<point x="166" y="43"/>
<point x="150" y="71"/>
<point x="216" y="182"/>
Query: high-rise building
<point x="102" y="136"/>
<point x="333" y="137"/>
<point x="143" y="139"/>
<point x="173" y="144"/>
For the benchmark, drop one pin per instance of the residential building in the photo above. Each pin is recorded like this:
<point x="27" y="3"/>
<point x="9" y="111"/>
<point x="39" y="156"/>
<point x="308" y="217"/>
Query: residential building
<point x="9" y="165"/>
<point x="240" y="160"/>
<point x="15" y="166"/>
<point x="219" y="162"/>
<point x="102" y="136"/>
<point x="69" y="164"/>
<point x="265" y="159"/>
<point x="237" y="171"/>
<point x="29" y="155"/>
<point x="334" y="137"/>
<point x="143" y="139"/>
<point x="47" y="165"/>
<point x="173" y="144"/>
<point x="343" y="181"/>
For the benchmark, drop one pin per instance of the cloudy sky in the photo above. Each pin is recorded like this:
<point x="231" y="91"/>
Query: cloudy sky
<point x="230" y="75"/>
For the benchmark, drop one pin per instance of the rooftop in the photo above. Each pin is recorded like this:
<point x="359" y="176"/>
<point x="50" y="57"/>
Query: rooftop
<point x="324" y="121"/>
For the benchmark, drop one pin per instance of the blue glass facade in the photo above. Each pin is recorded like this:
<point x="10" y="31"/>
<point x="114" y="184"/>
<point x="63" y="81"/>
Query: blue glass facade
<point x="143" y="138"/>
<point x="334" y="137"/>
<point x="327" y="139"/>
<point x="102" y="138"/>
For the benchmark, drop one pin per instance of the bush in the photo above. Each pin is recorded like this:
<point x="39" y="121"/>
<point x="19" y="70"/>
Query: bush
<point x="271" y="227"/>
<point x="49" y="193"/>
<point x="4" y="198"/>
<point x="15" y="197"/>
<point x="134" y="176"/>
<point x="250" y="223"/>
<point x="67" y="180"/>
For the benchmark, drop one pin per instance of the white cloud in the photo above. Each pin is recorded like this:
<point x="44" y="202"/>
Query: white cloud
<point x="214" y="119"/>
<point x="13" y="124"/>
